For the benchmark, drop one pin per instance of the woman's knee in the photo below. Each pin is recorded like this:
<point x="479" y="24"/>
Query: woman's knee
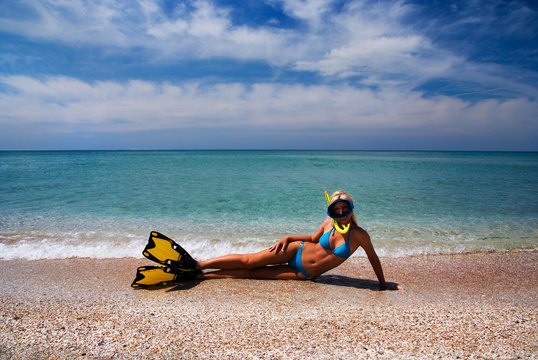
<point x="250" y="261"/>
<point x="264" y="258"/>
<point x="260" y="259"/>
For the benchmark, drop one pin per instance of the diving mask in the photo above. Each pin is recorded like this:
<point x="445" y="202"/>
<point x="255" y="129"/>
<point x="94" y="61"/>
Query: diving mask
<point x="335" y="215"/>
<point x="342" y="211"/>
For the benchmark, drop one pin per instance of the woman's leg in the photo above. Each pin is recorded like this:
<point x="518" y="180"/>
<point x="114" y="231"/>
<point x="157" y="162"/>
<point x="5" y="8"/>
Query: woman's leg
<point x="249" y="261"/>
<point x="278" y="272"/>
<point x="253" y="266"/>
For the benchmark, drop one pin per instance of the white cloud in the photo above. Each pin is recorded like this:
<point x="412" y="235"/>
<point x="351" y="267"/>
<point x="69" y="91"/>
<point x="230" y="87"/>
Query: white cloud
<point x="367" y="56"/>
<point x="330" y="43"/>
<point x="366" y="39"/>
<point x="369" y="40"/>
<point x="76" y="21"/>
<point x="310" y="11"/>
<point x="69" y="105"/>
<point x="202" y="31"/>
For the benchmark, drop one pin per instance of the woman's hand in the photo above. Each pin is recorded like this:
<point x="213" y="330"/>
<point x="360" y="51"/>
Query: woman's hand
<point x="390" y="286"/>
<point x="281" y="244"/>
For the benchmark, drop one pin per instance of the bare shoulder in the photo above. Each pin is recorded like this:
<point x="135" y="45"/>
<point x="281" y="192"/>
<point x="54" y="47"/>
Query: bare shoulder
<point x="359" y="231"/>
<point x="328" y="223"/>
<point x="360" y="234"/>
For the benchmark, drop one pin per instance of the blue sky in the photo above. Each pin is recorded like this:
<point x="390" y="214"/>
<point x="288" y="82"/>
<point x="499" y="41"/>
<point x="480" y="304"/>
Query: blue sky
<point x="269" y="74"/>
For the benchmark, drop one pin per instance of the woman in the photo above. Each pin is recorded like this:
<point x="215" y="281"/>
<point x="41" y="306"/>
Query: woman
<point x="291" y="258"/>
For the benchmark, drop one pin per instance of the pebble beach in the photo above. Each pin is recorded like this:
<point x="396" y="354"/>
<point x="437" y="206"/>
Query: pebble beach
<point x="468" y="306"/>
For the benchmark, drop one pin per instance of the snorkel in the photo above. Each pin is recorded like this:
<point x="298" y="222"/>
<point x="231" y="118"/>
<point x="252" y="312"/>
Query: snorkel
<point x="344" y="229"/>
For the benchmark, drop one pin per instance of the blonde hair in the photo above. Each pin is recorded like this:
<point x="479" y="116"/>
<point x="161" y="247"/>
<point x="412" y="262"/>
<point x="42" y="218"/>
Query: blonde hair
<point x="341" y="194"/>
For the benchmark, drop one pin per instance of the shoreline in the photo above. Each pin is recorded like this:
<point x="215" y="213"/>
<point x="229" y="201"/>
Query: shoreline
<point x="473" y="305"/>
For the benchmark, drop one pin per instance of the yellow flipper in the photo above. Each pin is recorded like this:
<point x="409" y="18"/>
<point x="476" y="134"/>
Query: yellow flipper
<point x="164" y="250"/>
<point x="152" y="275"/>
<point x="156" y="274"/>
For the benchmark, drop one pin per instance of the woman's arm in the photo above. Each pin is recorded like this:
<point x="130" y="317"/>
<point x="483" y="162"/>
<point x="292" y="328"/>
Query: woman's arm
<point x="366" y="243"/>
<point x="282" y="244"/>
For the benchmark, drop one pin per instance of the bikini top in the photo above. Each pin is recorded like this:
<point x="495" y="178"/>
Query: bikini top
<point x="342" y="251"/>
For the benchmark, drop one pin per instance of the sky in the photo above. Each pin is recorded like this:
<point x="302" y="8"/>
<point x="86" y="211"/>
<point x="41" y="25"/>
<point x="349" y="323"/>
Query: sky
<point x="269" y="74"/>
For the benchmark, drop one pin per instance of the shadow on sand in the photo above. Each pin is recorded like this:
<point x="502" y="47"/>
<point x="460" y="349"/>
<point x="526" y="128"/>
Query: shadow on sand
<point x="172" y="285"/>
<point x="333" y="280"/>
<point x="340" y="280"/>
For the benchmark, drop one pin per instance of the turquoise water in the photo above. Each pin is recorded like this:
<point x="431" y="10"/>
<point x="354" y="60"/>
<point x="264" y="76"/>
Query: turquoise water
<point x="103" y="204"/>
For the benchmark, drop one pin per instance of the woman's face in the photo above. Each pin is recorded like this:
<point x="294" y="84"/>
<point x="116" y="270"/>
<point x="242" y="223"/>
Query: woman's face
<point x="340" y="209"/>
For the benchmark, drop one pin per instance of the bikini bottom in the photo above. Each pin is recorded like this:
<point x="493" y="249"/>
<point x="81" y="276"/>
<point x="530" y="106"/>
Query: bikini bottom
<point x="297" y="263"/>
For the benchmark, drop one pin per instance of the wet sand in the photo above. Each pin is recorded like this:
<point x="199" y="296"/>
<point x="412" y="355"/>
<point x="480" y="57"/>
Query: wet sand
<point x="479" y="306"/>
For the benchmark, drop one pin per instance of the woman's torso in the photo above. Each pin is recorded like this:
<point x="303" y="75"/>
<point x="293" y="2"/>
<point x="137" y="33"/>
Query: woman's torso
<point x="317" y="259"/>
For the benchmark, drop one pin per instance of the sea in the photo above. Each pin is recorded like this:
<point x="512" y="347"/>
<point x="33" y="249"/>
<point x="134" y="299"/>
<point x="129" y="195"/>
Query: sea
<point x="103" y="204"/>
